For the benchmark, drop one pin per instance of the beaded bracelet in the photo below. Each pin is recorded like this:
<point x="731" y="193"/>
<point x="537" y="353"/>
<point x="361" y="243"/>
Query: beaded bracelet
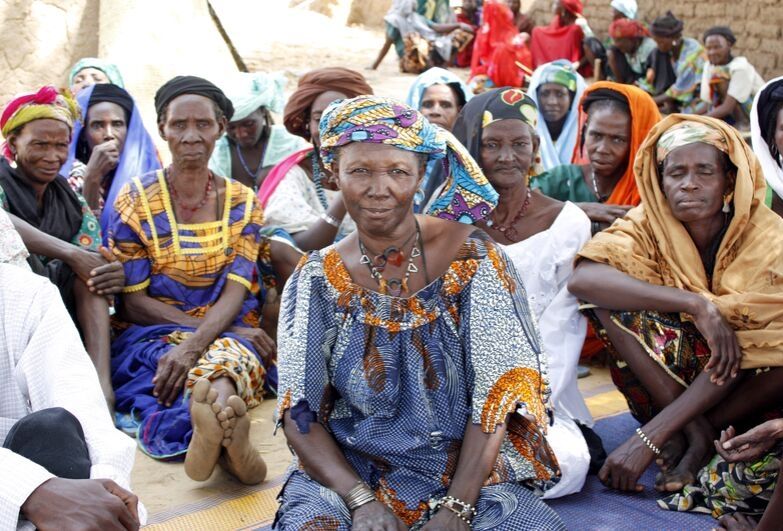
<point x="331" y="220"/>
<point x="360" y="494"/>
<point x="648" y="442"/>
<point x="464" y="511"/>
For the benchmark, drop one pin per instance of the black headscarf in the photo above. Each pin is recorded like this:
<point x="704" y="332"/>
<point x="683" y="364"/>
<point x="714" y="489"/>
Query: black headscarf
<point x="768" y="106"/>
<point x="723" y="31"/>
<point x="666" y="26"/>
<point x="191" y="85"/>
<point x="604" y="94"/>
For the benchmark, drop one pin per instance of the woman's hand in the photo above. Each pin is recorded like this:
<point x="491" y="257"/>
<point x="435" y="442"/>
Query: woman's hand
<point x="258" y="338"/>
<point x="101" y="271"/>
<point x="625" y="466"/>
<point x="725" y="351"/>
<point x="750" y="445"/>
<point x="375" y="516"/>
<point x="445" y="520"/>
<point x="173" y="368"/>
<point x="103" y="159"/>
<point x="602" y="213"/>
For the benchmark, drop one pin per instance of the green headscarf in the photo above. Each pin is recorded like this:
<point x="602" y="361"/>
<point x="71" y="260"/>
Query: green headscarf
<point x="110" y="69"/>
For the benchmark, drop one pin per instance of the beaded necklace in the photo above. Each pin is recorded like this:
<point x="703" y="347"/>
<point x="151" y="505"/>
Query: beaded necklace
<point x="392" y="255"/>
<point x="253" y="174"/>
<point x="188" y="211"/>
<point x="508" y="230"/>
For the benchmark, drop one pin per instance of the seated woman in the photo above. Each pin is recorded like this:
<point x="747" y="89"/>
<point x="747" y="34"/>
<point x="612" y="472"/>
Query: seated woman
<point x="55" y="223"/>
<point x="430" y="411"/>
<point x="468" y="14"/>
<point x="439" y="95"/>
<point x="728" y="83"/>
<point x="253" y="144"/>
<point x="556" y="88"/>
<point x="616" y="120"/>
<point x="110" y="146"/>
<point x="90" y="71"/>
<point x="766" y="130"/>
<point x="563" y="38"/>
<point x="632" y="45"/>
<point x="188" y="240"/>
<point x="523" y="22"/>
<point x="624" y="9"/>
<point x="299" y="195"/>
<point x="541" y="237"/>
<point x="674" y="68"/>
<point x="686" y="301"/>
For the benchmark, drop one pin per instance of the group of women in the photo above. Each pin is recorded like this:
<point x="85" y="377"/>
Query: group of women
<point x="443" y="264"/>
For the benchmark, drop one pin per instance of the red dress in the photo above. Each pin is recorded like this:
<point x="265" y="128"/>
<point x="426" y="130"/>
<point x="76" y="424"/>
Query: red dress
<point x="553" y="42"/>
<point x="499" y="48"/>
<point x="465" y="57"/>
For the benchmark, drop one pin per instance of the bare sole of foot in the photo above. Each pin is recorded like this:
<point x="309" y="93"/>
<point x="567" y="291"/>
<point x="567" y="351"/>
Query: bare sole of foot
<point x="699" y="435"/>
<point x="239" y="457"/>
<point x="672" y="451"/>
<point x="205" y="445"/>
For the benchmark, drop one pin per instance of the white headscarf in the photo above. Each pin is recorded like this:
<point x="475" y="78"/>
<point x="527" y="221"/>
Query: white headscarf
<point x="772" y="170"/>
<point x="629" y="8"/>
<point x="249" y="91"/>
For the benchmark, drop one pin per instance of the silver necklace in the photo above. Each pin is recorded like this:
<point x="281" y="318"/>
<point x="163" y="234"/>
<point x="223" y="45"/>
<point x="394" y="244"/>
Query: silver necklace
<point x="600" y="198"/>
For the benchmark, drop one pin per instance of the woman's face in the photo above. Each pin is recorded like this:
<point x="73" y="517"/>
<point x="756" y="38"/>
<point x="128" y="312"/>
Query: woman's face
<point x="105" y="123"/>
<point x="694" y="182"/>
<point x="191" y="128"/>
<point x="439" y="105"/>
<point x="507" y="151"/>
<point x="627" y="45"/>
<point x="41" y="148"/>
<point x="718" y="49"/>
<point x="247" y="131"/>
<point x="554" y="101"/>
<point x="316" y="111"/>
<point x="665" y="44"/>
<point x="378" y="183"/>
<point x="87" y="77"/>
<point x="779" y="131"/>
<point x="608" y="140"/>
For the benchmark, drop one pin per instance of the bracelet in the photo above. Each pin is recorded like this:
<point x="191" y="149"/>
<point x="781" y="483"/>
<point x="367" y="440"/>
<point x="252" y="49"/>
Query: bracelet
<point x="360" y="494"/>
<point x="465" y="511"/>
<point x="330" y="220"/>
<point x="648" y="442"/>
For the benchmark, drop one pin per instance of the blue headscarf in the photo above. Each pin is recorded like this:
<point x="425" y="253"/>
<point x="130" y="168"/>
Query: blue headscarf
<point x="467" y="195"/>
<point x="138" y="156"/>
<point x="436" y="76"/>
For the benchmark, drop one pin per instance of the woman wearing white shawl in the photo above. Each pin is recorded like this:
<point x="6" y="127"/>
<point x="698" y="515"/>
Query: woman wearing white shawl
<point x="551" y="120"/>
<point x="766" y="130"/>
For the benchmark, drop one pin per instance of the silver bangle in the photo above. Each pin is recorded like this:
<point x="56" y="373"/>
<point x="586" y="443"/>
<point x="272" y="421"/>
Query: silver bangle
<point x="360" y="494"/>
<point x="648" y="442"/>
<point x="330" y="220"/>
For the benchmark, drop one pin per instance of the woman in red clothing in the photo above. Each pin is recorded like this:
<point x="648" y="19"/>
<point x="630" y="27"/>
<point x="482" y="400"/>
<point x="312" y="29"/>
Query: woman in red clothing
<point x="563" y="38"/>
<point x="500" y="49"/>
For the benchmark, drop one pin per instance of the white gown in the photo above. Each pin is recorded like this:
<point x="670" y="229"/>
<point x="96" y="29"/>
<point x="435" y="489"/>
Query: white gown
<point x="545" y="261"/>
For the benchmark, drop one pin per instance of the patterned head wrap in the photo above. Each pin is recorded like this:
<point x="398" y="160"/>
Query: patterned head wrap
<point x="689" y="132"/>
<point x="560" y="72"/>
<point x="510" y="104"/>
<point x="626" y="28"/>
<point x="629" y="8"/>
<point x="110" y="69"/>
<point x="48" y="102"/>
<point x="468" y="197"/>
<point x="667" y="25"/>
<point x="249" y="92"/>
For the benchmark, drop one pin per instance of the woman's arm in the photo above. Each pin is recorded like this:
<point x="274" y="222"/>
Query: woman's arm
<point x="725" y="109"/>
<point x="141" y="309"/>
<point x="321" y="234"/>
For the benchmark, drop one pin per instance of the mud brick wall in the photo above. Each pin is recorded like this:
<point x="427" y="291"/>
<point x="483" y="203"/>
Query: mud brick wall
<point x="758" y="24"/>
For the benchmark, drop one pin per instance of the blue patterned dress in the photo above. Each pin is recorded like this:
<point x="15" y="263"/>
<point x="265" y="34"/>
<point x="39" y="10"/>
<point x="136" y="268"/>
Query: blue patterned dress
<point x="396" y="381"/>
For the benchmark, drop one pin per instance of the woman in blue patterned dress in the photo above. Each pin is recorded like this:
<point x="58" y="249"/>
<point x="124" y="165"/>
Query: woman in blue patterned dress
<point x="412" y="384"/>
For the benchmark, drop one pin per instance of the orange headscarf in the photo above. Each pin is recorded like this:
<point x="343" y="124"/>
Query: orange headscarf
<point x="644" y="115"/>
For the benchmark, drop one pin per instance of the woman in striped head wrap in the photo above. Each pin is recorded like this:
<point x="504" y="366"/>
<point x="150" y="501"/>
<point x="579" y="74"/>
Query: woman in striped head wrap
<point x="432" y="349"/>
<point x="55" y="223"/>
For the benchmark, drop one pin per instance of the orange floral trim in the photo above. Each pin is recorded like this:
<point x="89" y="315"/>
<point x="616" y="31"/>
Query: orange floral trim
<point x="521" y="385"/>
<point x="388" y="496"/>
<point x="500" y="267"/>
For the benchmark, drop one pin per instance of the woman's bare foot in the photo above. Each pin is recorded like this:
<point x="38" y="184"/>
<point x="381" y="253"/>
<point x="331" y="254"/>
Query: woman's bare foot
<point x="205" y="445"/>
<point x="240" y="458"/>
<point x="699" y="434"/>
<point x="672" y="451"/>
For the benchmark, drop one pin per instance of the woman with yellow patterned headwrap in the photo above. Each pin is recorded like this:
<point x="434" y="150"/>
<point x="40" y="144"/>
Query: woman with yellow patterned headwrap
<point x="55" y="223"/>
<point x="687" y="296"/>
<point x="409" y="348"/>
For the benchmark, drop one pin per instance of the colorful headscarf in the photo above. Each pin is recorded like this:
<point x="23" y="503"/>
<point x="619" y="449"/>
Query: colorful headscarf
<point x="468" y="197"/>
<point x="313" y="84"/>
<point x="650" y="244"/>
<point x="248" y="92"/>
<point x="491" y="107"/>
<point x="48" y="102"/>
<point x="138" y="156"/>
<point x="555" y="153"/>
<point x="626" y="28"/>
<point x="686" y="133"/>
<point x="110" y="69"/>
<point x="436" y="76"/>
<point x="629" y="8"/>
<point x="763" y="120"/>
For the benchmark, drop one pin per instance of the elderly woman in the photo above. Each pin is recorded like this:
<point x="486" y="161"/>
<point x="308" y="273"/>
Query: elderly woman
<point x="110" y="146"/>
<point x="556" y="89"/>
<point x="55" y="223"/>
<point x="90" y="71"/>
<point x="686" y="299"/>
<point x="299" y="195"/>
<point x="616" y="120"/>
<point x="253" y="144"/>
<point x="188" y="240"/>
<point x="541" y="237"/>
<point x="674" y="67"/>
<point x="766" y="129"/>
<point x="430" y="410"/>
<point x="627" y="57"/>
<point x="728" y="83"/>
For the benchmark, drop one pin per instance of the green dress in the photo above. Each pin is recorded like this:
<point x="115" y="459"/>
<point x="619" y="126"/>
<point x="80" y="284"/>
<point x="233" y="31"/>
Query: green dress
<point x="564" y="183"/>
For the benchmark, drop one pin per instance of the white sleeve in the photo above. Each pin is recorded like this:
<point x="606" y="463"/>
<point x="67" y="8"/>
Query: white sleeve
<point x="19" y="477"/>
<point x="288" y="207"/>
